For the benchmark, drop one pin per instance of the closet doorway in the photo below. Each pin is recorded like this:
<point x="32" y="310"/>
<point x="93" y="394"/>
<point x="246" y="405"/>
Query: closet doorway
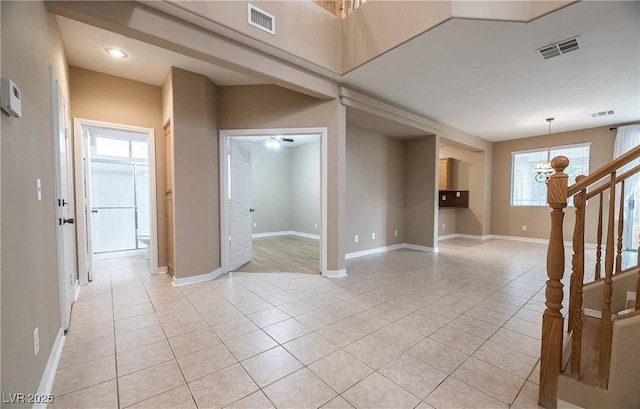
<point x="115" y="188"/>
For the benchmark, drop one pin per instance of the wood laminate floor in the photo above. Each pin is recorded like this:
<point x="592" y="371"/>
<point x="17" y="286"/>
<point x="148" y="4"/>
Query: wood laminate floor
<point x="284" y="254"/>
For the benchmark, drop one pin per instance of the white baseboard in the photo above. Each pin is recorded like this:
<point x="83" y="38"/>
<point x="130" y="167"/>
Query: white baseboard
<point x="49" y="375"/>
<point x="307" y="235"/>
<point x="369" y="252"/>
<point x="335" y="273"/>
<point x="464" y="236"/>
<point x="518" y="238"/>
<point x="419" y="248"/>
<point x="392" y="247"/>
<point x="511" y="238"/>
<point x="161" y="270"/>
<point x="286" y="233"/>
<point x="179" y="282"/>
<point x="120" y="254"/>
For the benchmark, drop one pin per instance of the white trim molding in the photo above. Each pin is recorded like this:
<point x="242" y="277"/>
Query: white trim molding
<point x="77" y="291"/>
<point x="335" y="273"/>
<point x="120" y="254"/>
<point x="224" y="136"/>
<point x="511" y="238"/>
<point x="83" y="238"/>
<point x="179" y="282"/>
<point x="161" y="270"/>
<point x="49" y="375"/>
<point x="285" y="233"/>
<point x="370" y="252"/>
<point x="419" y="248"/>
<point x="392" y="247"/>
<point x="465" y="236"/>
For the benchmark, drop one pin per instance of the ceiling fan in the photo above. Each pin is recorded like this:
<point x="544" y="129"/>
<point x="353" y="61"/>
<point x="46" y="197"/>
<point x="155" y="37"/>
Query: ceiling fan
<point x="275" y="141"/>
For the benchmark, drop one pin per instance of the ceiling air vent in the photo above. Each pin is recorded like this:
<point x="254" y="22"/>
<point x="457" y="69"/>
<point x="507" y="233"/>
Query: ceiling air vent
<point x="562" y="47"/>
<point x="261" y="19"/>
<point x="601" y="113"/>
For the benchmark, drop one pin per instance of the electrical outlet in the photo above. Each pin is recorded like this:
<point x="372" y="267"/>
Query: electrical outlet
<point x="316" y="226"/>
<point x="36" y="341"/>
<point x="444" y="226"/>
<point x="373" y="236"/>
<point x="395" y="233"/>
<point x="355" y="239"/>
<point x="255" y="224"/>
<point x="524" y="227"/>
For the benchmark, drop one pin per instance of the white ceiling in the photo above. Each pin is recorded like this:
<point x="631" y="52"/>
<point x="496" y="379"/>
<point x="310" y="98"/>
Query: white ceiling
<point x="297" y="139"/>
<point x="84" y="45"/>
<point x="485" y="77"/>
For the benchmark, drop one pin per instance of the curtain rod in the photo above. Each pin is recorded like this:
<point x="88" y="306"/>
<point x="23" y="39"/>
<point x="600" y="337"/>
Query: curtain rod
<point x="613" y="128"/>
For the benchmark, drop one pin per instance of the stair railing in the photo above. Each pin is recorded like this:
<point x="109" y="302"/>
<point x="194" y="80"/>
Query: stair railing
<point x="584" y="189"/>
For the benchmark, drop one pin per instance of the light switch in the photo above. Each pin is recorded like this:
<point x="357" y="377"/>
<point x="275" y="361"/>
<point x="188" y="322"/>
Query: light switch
<point x="38" y="189"/>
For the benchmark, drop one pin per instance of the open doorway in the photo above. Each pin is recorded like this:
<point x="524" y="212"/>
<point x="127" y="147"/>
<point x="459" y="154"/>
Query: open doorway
<point x="115" y="182"/>
<point x="273" y="201"/>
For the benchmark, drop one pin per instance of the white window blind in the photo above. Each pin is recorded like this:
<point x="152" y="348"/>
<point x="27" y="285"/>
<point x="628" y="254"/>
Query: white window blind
<point x="525" y="191"/>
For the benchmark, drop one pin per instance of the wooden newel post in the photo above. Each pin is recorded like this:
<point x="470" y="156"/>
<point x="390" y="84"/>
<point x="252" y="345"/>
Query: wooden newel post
<point x="552" y="321"/>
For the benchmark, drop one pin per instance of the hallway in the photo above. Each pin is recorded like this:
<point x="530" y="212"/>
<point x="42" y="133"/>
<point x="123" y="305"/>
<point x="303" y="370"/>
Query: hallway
<point x="458" y="328"/>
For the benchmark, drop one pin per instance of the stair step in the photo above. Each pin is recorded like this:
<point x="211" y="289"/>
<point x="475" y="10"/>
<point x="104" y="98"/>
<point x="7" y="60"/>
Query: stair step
<point x="590" y="353"/>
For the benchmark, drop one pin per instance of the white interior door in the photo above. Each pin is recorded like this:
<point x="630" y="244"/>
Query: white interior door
<point x="64" y="201"/>
<point x="240" y="204"/>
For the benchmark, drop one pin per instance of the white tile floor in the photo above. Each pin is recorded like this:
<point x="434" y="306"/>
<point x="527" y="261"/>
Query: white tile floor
<point x="454" y="329"/>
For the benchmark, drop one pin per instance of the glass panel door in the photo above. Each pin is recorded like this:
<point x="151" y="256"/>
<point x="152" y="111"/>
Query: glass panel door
<point x="114" y="211"/>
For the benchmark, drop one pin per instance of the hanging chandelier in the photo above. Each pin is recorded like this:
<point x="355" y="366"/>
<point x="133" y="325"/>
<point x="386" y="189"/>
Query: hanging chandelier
<point x="543" y="170"/>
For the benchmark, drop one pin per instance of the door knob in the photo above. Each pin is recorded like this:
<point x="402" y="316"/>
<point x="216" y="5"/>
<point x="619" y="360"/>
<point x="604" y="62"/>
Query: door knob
<point x="70" y="221"/>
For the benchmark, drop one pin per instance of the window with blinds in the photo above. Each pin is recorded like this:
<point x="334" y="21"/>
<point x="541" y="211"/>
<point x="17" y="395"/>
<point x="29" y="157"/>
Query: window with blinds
<point x="525" y="191"/>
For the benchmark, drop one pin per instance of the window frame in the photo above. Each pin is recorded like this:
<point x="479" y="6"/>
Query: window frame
<point x="551" y="148"/>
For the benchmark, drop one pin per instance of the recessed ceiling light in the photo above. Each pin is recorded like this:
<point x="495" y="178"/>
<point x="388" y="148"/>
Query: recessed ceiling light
<point x="116" y="52"/>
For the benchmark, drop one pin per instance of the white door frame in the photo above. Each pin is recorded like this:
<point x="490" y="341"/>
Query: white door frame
<point x="67" y="289"/>
<point x="81" y="215"/>
<point x="224" y="188"/>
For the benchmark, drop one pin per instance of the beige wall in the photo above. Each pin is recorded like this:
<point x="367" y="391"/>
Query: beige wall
<point x="468" y="175"/>
<point x="270" y="106"/>
<point x="285" y="188"/>
<point x="30" y="43"/>
<point x="305" y="188"/>
<point x="375" y="190"/>
<point x="379" y="26"/>
<point x="507" y="220"/>
<point x="447" y="221"/>
<point x="196" y="191"/>
<point x="298" y="27"/>
<point x="420" y="190"/>
<point x="103" y="97"/>
<point x="271" y="188"/>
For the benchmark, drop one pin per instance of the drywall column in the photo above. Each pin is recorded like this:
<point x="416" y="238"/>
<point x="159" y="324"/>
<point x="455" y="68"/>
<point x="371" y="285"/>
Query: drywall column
<point x="336" y="191"/>
<point x="420" y="192"/>
<point x="196" y="174"/>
